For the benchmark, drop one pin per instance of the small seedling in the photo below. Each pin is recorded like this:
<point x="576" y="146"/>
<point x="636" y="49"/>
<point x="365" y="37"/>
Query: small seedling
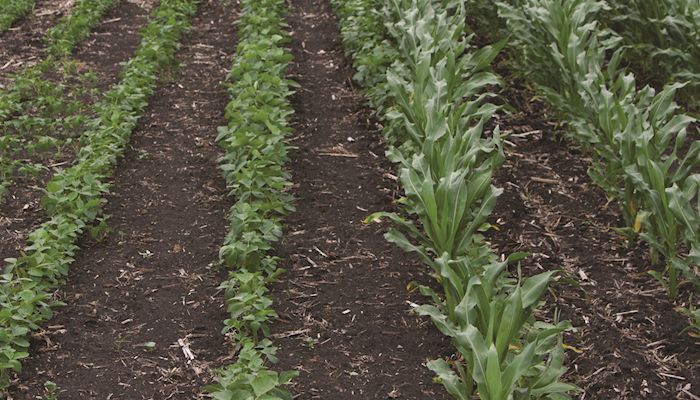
<point x="50" y="391"/>
<point x="310" y="342"/>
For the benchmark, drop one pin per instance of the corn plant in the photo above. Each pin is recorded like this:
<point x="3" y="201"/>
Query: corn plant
<point x="561" y="35"/>
<point x="693" y="314"/>
<point x="433" y="100"/>
<point x="638" y="136"/>
<point x="490" y="321"/>
<point x="664" y="183"/>
<point x="662" y="39"/>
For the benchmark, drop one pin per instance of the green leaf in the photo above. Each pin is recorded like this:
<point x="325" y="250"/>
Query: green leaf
<point x="493" y="377"/>
<point x="533" y="288"/>
<point x="449" y="379"/>
<point x="264" y="382"/>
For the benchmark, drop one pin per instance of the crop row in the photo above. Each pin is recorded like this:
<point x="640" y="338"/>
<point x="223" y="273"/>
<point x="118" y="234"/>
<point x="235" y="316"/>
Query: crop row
<point x="60" y="40"/>
<point x="69" y="31"/>
<point x="74" y="196"/>
<point x="12" y="10"/>
<point x="643" y="154"/>
<point x="38" y="114"/>
<point x="430" y="88"/>
<point x="662" y="39"/>
<point x="253" y="166"/>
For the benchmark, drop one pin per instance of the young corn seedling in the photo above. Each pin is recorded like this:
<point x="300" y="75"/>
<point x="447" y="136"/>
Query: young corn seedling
<point x="446" y="163"/>
<point x="665" y="184"/>
<point x="435" y="104"/>
<point x="497" y="359"/>
<point x="637" y="136"/>
<point x="662" y="40"/>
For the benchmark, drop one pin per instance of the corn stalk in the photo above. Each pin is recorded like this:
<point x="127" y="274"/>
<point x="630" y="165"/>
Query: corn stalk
<point x="433" y="101"/>
<point x="638" y="137"/>
<point x="662" y="40"/>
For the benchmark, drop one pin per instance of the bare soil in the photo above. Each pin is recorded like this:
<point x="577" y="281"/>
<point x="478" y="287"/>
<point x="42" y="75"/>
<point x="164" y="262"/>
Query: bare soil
<point x="345" y="323"/>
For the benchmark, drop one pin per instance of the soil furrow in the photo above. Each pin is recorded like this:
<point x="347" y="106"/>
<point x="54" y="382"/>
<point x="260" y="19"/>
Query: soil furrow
<point x="143" y="298"/>
<point x="109" y="44"/>
<point x="630" y="338"/>
<point x="344" y="320"/>
<point x="23" y="44"/>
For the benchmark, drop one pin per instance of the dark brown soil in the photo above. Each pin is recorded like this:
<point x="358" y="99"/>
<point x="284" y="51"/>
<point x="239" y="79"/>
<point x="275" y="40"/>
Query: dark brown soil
<point x="154" y="277"/>
<point x="345" y="323"/>
<point x="20" y="209"/>
<point x="23" y="44"/>
<point x="629" y="337"/>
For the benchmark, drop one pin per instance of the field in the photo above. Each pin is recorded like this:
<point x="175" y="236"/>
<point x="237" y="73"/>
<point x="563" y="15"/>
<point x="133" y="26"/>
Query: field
<point x="349" y="199"/>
